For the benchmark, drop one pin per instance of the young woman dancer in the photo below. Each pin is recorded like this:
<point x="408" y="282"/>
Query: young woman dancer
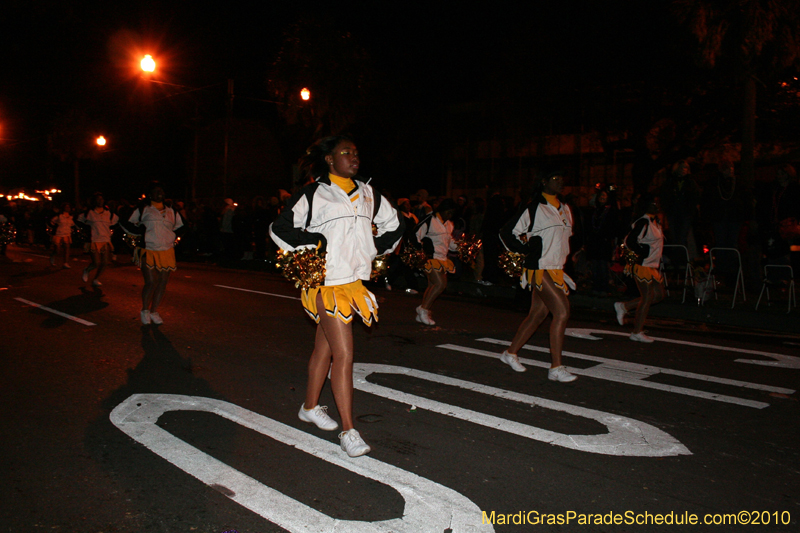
<point x="646" y="240"/>
<point x="157" y="260"/>
<point x="335" y="214"/>
<point x="541" y="231"/>
<point x="100" y="220"/>
<point x="435" y="233"/>
<point x="62" y="238"/>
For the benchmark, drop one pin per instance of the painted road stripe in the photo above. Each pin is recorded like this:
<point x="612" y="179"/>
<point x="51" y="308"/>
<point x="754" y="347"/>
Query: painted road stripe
<point x="59" y="313"/>
<point x="429" y="506"/>
<point x="625" y="436"/>
<point x="781" y="360"/>
<point x="653" y="370"/>
<point x="609" y="374"/>
<point x="258" y="292"/>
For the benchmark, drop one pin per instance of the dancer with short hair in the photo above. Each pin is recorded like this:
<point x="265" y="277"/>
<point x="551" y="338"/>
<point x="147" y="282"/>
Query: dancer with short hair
<point x="541" y="231"/>
<point x="646" y="240"/>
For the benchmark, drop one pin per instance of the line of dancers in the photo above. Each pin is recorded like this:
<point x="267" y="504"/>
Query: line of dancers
<point x="337" y="213"/>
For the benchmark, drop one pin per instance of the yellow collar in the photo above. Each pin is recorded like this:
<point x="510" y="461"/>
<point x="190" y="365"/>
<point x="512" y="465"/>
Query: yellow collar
<point x="346" y="184"/>
<point x="552" y="199"/>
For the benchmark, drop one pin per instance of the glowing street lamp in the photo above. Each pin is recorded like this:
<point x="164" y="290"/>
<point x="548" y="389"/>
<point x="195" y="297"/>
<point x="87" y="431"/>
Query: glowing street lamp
<point x="305" y="94"/>
<point x="148" y="64"/>
<point x="101" y="141"/>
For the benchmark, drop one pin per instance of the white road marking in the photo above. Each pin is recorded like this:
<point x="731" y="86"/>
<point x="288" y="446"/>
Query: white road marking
<point x="625" y="436"/>
<point x="618" y="371"/>
<point x="781" y="361"/>
<point x="652" y="370"/>
<point x="258" y="292"/>
<point x="429" y="506"/>
<point x="59" y="313"/>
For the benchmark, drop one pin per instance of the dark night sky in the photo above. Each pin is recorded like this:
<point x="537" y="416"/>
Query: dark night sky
<point x="59" y="54"/>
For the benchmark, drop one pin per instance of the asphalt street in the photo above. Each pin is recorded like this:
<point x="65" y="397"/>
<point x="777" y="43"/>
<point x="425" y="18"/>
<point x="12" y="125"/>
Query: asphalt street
<point x="111" y="426"/>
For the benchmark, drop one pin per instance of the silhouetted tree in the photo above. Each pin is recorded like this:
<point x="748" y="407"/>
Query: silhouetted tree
<point x="758" y="37"/>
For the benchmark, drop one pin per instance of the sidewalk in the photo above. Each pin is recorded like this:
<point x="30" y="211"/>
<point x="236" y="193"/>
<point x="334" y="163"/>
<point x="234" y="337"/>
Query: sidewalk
<point x="773" y="318"/>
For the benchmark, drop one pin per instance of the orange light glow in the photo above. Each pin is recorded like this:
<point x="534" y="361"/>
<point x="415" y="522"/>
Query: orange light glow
<point x="148" y="64"/>
<point x="101" y="141"/>
<point x="305" y="94"/>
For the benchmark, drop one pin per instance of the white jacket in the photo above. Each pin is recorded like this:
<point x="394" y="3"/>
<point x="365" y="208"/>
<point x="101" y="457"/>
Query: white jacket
<point x="323" y="212"/>
<point x="160" y="226"/>
<point x="646" y="239"/>
<point x="439" y="233"/>
<point x="541" y="232"/>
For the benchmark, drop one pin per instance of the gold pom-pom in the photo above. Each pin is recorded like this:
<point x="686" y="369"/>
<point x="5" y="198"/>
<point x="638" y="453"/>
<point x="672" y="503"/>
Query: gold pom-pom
<point x="468" y="248"/>
<point x="306" y="267"/>
<point x="415" y="258"/>
<point x="512" y="263"/>
<point x="133" y="241"/>
<point x="379" y="266"/>
<point x="8" y="233"/>
<point x="629" y="257"/>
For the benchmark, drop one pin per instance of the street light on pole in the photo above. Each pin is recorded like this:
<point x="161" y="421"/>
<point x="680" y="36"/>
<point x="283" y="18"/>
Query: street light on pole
<point x="148" y="64"/>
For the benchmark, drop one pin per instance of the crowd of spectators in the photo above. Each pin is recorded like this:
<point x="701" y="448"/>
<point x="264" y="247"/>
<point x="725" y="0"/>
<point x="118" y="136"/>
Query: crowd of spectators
<point x="701" y="209"/>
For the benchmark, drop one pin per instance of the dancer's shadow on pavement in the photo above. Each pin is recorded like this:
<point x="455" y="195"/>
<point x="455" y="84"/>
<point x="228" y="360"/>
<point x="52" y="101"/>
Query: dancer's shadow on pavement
<point x="143" y="477"/>
<point x="80" y="305"/>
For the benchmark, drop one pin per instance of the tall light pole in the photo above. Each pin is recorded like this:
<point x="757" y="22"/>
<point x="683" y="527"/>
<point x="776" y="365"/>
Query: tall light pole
<point x="228" y="112"/>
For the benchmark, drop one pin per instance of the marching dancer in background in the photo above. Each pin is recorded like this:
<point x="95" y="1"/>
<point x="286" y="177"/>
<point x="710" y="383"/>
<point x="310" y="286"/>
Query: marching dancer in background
<point x="541" y="231"/>
<point x="646" y="240"/>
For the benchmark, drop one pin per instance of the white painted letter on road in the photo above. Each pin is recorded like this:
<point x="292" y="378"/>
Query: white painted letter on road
<point x="625" y="436"/>
<point x="428" y="505"/>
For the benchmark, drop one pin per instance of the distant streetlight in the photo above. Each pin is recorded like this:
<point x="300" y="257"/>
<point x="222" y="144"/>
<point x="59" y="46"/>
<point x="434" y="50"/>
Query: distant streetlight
<point x="101" y="141"/>
<point x="305" y="94"/>
<point x="148" y="64"/>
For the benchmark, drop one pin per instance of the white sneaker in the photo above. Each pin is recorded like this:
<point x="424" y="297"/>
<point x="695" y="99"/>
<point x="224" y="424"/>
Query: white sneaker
<point x="145" y="316"/>
<point x="318" y="416"/>
<point x="512" y="360"/>
<point x="85" y="275"/>
<point x="96" y="283"/>
<point x="156" y="319"/>
<point x="484" y="282"/>
<point x="66" y="265"/>
<point x="424" y="316"/>
<point x="641" y="337"/>
<point x="411" y="291"/>
<point x="619" y="307"/>
<point x="560" y="373"/>
<point x="353" y="444"/>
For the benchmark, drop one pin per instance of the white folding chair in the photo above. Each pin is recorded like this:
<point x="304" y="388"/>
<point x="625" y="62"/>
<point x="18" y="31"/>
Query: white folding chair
<point x="678" y="251"/>
<point x="714" y="252"/>
<point x="767" y="280"/>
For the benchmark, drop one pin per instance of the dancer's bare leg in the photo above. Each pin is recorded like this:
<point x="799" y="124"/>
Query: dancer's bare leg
<point x="556" y="301"/>
<point x="652" y="293"/>
<point x="437" y="282"/>
<point x="536" y="316"/>
<point x="149" y="286"/>
<point x="162" y="276"/>
<point x="101" y="259"/>
<point x="333" y="344"/>
<point x="95" y="255"/>
<point x="318" y="367"/>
